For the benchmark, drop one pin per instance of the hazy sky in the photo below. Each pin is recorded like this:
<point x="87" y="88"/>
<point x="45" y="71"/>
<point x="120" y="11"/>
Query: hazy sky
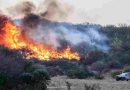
<point x="103" y="11"/>
<point x="95" y="11"/>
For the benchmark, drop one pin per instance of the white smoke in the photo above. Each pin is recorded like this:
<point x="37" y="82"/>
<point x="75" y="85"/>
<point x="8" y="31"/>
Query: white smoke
<point x="91" y="36"/>
<point x="53" y="34"/>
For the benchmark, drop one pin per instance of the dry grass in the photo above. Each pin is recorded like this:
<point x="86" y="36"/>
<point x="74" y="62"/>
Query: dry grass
<point x="59" y="83"/>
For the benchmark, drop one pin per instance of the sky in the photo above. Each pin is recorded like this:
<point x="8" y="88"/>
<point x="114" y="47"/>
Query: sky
<point x="93" y="11"/>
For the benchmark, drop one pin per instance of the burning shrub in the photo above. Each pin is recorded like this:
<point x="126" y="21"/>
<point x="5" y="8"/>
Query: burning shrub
<point x="15" y="38"/>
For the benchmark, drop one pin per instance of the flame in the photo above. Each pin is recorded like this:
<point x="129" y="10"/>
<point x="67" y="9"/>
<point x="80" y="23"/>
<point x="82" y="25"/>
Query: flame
<point x="13" y="37"/>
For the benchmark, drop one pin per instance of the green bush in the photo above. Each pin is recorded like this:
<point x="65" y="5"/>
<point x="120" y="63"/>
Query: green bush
<point x="99" y="77"/>
<point x="80" y="74"/>
<point x="5" y="81"/>
<point x="114" y="73"/>
<point x="72" y="74"/>
<point x="36" y="80"/>
<point x="26" y="78"/>
<point x="41" y="74"/>
<point x="26" y="87"/>
<point x="40" y="79"/>
<point x="126" y="69"/>
<point x="28" y="67"/>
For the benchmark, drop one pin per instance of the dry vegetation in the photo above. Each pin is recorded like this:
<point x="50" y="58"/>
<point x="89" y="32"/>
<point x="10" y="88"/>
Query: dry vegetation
<point x="59" y="83"/>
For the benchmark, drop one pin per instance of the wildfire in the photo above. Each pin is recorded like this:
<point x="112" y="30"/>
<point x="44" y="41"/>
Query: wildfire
<point x="13" y="37"/>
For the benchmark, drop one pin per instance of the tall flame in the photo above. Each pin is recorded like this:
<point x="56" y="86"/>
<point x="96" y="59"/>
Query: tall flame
<point x="13" y="37"/>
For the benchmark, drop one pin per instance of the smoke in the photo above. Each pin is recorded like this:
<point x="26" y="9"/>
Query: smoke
<point x="56" y="35"/>
<point x="54" y="10"/>
<point x="22" y="9"/>
<point x="90" y="36"/>
<point x="38" y="24"/>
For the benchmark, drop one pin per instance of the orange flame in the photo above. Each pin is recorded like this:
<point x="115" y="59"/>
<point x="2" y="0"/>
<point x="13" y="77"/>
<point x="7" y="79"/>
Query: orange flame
<point x="13" y="37"/>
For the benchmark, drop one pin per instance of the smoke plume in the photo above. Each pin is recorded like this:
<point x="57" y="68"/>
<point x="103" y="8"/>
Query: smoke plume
<point x="54" y="10"/>
<point x="57" y="35"/>
<point x="39" y="23"/>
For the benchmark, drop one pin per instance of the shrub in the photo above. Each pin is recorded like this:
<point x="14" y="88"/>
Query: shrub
<point x="25" y="87"/>
<point x="26" y="78"/>
<point x="71" y="73"/>
<point x="114" y="64"/>
<point x="28" y="67"/>
<point x="114" y="73"/>
<point x="99" y="77"/>
<point x="54" y="71"/>
<point x="25" y="82"/>
<point x="80" y="74"/>
<point x="36" y="80"/>
<point x="5" y="81"/>
<point x="40" y="79"/>
<point x="40" y="74"/>
<point x="99" y="67"/>
<point x="126" y="69"/>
